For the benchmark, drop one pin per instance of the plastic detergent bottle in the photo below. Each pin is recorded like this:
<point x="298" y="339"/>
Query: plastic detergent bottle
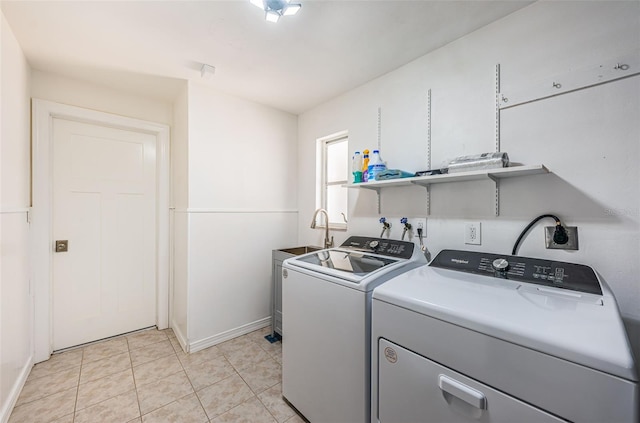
<point x="376" y="165"/>
<point x="365" y="165"/>
<point x="356" y="167"/>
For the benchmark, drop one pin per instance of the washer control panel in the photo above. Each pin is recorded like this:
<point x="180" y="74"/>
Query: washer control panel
<point x="382" y="246"/>
<point x="576" y="277"/>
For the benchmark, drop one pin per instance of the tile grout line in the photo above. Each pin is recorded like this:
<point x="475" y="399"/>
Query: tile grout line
<point x="251" y="342"/>
<point x="254" y="393"/>
<point x="45" y="396"/>
<point x="133" y="375"/>
<point x="183" y="370"/>
<point x="158" y="358"/>
<point x="237" y="372"/>
<point x="75" y="404"/>
<point x="195" y="393"/>
<point x="258" y="395"/>
<point x="24" y="405"/>
<point x="108" y="356"/>
<point x="106" y="399"/>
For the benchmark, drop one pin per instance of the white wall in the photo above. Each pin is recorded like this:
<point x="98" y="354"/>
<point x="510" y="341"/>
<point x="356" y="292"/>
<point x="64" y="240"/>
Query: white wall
<point x="61" y="89"/>
<point x="179" y="217"/>
<point x="16" y="324"/>
<point x="242" y="204"/>
<point x="223" y="155"/>
<point x="588" y="139"/>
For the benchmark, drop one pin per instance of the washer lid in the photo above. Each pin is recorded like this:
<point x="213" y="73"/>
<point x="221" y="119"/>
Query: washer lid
<point x="360" y="262"/>
<point x="353" y="266"/>
<point x="575" y="326"/>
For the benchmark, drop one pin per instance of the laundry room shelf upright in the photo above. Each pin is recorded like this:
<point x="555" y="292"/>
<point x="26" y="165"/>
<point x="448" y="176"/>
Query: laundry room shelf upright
<point x="494" y="175"/>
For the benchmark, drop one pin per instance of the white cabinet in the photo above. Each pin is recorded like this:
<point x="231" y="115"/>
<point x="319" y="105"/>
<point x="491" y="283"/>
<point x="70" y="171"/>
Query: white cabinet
<point x="277" y="257"/>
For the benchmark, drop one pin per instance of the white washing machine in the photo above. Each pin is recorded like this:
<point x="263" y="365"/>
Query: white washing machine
<point x="326" y="333"/>
<point x="488" y="338"/>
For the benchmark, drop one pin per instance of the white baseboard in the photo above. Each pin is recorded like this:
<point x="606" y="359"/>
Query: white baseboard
<point x="182" y="339"/>
<point x="12" y="398"/>
<point x="227" y="335"/>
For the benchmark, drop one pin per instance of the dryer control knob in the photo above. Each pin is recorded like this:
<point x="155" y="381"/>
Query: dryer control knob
<point x="500" y="265"/>
<point x="374" y="244"/>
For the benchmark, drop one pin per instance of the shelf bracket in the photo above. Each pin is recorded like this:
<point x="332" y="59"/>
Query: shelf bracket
<point x="497" y="198"/>
<point x="429" y="129"/>
<point x="496" y="182"/>
<point x="428" y="148"/>
<point x="428" y="200"/>
<point x="379" y="143"/>
<point x="498" y="108"/>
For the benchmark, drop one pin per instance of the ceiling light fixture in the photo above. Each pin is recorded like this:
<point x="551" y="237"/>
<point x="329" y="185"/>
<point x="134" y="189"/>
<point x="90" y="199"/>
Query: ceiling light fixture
<point x="274" y="9"/>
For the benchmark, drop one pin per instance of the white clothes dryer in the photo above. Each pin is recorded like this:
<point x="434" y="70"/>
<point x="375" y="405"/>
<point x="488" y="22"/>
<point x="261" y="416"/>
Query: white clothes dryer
<point x="488" y="338"/>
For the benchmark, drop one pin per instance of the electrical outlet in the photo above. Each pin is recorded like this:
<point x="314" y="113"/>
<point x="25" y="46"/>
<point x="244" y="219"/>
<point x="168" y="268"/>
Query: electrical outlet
<point x="572" y="233"/>
<point x="472" y="233"/>
<point x="418" y="222"/>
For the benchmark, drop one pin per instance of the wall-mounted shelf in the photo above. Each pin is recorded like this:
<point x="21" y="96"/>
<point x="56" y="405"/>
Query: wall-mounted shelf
<point x="475" y="175"/>
<point x="376" y="185"/>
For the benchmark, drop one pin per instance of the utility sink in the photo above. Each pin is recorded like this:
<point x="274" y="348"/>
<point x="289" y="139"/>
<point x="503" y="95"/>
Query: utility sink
<point x="278" y="257"/>
<point x="296" y="251"/>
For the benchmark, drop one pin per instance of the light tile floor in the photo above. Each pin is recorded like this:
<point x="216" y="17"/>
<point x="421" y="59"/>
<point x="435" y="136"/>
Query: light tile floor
<point x="146" y="377"/>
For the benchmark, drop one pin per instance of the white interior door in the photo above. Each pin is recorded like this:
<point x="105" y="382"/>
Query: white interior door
<point x="104" y="204"/>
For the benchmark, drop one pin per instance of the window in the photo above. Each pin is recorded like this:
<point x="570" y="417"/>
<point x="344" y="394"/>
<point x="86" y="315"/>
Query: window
<point x="333" y="172"/>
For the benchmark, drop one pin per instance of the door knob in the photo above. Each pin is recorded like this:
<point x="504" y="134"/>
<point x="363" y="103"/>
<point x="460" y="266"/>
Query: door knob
<point x="62" y="245"/>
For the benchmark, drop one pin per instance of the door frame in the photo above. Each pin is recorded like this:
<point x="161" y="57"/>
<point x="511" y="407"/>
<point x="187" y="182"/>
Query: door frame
<point x="43" y="113"/>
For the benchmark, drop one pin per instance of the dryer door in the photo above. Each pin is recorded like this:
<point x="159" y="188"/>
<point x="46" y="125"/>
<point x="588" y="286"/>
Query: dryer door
<point x="414" y="389"/>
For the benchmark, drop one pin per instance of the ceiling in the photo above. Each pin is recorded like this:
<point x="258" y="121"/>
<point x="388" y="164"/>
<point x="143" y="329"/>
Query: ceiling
<point x="328" y="48"/>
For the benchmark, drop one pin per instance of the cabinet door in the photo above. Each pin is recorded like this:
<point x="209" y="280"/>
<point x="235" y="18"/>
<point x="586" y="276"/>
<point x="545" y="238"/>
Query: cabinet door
<point x="414" y="389"/>
<point x="277" y="299"/>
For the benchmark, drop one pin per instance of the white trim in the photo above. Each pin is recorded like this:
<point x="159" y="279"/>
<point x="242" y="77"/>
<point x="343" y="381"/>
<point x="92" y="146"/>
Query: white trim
<point x="322" y="184"/>
<point x="334" y="137"/>
<point x="12" y="398"/>
<point x="230" y="334"/>
<point x="182" y="340"/>
<point x="198" y="210"/>
<point x="334" y="227"/>
<point x="43" y="113"/>
<point x="15" y="210"/>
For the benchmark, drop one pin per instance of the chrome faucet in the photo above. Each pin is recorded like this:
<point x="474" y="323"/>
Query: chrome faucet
<point x="328" y="243"/>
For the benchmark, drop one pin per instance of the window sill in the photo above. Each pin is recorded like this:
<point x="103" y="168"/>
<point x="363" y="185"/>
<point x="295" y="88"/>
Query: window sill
<point x="334" y="227"/>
